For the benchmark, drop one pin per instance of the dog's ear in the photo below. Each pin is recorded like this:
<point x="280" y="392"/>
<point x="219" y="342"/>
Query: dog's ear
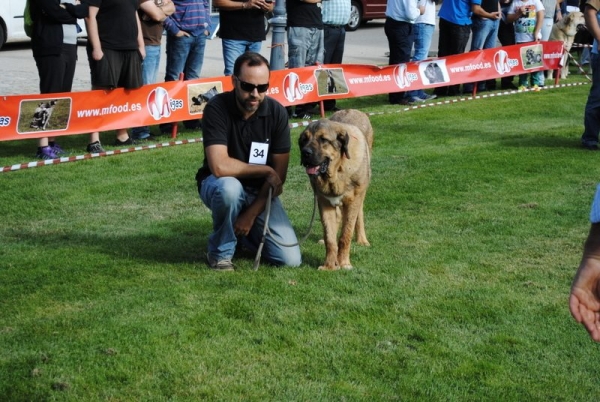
<point x="343" y="138"/>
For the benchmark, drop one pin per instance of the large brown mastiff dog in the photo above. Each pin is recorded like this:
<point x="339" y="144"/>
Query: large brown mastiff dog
<point x="337" y="155"/>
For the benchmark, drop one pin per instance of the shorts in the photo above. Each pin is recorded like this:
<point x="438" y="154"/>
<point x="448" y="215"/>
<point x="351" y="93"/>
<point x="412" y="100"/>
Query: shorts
<point x="116" y="69"/>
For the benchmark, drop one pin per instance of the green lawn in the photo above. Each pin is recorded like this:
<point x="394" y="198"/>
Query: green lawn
<point x="476" y="215"/>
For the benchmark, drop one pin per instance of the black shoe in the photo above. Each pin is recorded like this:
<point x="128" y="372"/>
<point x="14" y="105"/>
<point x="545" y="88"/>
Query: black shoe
<point x="590" y="147"/>
<point x="95" y="148"/>
<point x="128" y="141"/>
<point x="508" y="86"/>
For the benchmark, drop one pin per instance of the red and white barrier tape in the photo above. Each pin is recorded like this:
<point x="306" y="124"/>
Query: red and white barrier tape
<point x="66" y="159"/>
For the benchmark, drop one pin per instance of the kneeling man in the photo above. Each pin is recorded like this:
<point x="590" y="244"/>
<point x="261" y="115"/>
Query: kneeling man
<point x="247" y="143"/>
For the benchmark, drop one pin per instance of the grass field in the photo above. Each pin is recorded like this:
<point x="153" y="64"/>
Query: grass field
<point x="476" y="216"/>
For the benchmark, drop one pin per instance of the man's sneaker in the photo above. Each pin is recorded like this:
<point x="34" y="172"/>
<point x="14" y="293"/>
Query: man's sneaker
<point x="522" y="88"/>
<point x="57" y="149"/>
<point x="95" y="148"/>
<point x="424" y="99"/>
<point x="128" y="141"/>
<point x="220" y="265"/>
<point x="46" y="153"/>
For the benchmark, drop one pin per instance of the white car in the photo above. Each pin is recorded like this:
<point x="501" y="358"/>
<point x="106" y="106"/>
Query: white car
<point x="11" y="22"/>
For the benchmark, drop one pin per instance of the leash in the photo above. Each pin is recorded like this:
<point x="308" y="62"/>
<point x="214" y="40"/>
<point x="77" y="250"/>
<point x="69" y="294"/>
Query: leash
<point x="267" y="231"/>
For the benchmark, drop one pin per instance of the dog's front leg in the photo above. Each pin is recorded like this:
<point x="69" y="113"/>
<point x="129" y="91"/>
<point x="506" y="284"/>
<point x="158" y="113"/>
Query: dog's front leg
<point x="350" y="214"/>
<point x="330" y="226"/>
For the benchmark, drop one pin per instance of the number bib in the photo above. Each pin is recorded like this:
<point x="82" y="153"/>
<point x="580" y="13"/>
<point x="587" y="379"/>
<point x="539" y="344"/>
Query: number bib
<point x="258" y="153"/>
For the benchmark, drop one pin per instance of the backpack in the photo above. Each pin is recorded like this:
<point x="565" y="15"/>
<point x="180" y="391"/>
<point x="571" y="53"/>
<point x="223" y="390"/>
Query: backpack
<point x="27" y="20"/>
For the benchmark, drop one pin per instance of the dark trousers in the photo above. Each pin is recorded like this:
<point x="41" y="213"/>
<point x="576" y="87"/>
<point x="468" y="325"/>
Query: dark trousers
<point x="401" y="36"/>
<point x="57" y="71"/>
<point x="334" y="38"/>
<point x="452" y="40"/>
<point x="506" y="36"/>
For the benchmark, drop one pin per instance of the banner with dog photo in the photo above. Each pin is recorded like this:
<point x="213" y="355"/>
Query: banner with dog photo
<point x="34" y="116"/>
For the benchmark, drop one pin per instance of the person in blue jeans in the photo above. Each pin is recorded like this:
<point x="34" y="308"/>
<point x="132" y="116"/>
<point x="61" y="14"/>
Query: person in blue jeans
<point x="424" y="28"/>
<point x="241" y="27"/>
<point x="152" y="13"/>
<point x="187" y="29"/>
<point x="247" y="143"/>
<point x="484" y="28"/>
<point x="589" y="139"/>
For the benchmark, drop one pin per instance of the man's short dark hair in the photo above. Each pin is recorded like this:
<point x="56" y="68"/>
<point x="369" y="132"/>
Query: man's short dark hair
<point x="251" y="59"/>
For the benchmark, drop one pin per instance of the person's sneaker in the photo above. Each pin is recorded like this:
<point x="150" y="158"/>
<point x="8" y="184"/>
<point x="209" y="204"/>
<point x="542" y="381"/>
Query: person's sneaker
<point x="536" y="88"/>
<point x="95" y="148"/>
<point x="46" y="153"/>
<point x="590" y="147"/>
<point x="57" y="149"/>
<point x="128" y="141"/>
<point x="219" y="265"/>
<point x="424" y="99"/>
<point x="522" y="88"/>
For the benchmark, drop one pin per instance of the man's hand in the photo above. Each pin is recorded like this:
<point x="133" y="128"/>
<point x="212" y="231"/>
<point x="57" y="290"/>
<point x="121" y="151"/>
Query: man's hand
<point x="275" y="182"/>
<point x="584" y="302"/>
<point x="182" y="33"/>
<point x="244" y="223"/>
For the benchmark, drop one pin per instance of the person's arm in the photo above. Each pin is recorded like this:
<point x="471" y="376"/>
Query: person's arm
<point x="539" y="23"/>
<point x="480" y="12"/>
<point x="140" y="37"/>
<point x="591" y="21"/>
<point x="56" y="12"/>
<point x="158" y="13"/>
<point x="584" y="302"/>
<point x="245" y="220"/>
<point x="244" y="5"/>
<point x="92" y="30"/>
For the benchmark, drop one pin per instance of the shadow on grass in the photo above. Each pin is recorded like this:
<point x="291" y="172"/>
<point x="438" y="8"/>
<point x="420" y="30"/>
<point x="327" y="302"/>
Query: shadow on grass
<point x="543" y="142"/>
<point x="183" y="242"/>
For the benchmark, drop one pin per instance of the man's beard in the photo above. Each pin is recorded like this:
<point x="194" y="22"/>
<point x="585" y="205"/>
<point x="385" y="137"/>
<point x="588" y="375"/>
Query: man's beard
<point x="244" y="103"/>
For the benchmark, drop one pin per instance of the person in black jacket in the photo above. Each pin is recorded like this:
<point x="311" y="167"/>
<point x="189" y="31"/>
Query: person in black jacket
<point x="54" y="46"/>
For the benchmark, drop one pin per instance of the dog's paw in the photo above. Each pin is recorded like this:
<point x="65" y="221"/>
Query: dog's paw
<point x="347" y="267"/>
<point x="328" y="268"/>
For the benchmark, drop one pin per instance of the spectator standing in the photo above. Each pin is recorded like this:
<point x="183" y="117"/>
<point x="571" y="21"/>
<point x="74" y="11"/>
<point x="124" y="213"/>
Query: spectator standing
<point x="506" y="36"/>
<point x="424" y="29"/>
<point x="305" y="39"/>
<point x="115" y="51"/>
<point x="187" y="29"/>
<point x="241" y="27"/>
<point x="247" y="144"/>
<point x="54" y="47"/>
<point x="152" y="13"/>
<point x="400" y="17"/>
<point x="454" y="33"/>
<point x="589" y="139"/>
<point x="485" y="23"/>
<point x="552" y="14"/>
<point x="336" y="14"/>
<point x="528" y="16"/>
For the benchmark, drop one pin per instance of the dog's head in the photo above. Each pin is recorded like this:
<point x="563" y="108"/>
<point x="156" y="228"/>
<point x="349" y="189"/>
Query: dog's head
<point x="322" y="143"/>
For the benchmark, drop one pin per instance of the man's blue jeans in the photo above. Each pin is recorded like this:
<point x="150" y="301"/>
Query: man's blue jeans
<point x="149" y="76"/>
<point x="227" y="198"/>
<point x="233" y="48"/>
<point x="591" y="120"/>
<point x="185" y="54"/>
<point x="485" y="33"/>
<point x="423" y="36"/>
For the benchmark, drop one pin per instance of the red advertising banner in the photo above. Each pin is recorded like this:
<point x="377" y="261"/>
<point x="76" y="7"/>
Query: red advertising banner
<point x="34" y="116"/>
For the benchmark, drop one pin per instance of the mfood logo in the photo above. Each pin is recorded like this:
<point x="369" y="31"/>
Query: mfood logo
<point x="158" y="103"/>
<point x="403" y="78"/>
<point x="293" y="89"/>
<point x="503" y="64"/>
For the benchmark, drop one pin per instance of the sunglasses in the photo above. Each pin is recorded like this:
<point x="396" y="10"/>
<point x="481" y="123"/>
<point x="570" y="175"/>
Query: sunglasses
<point x="247" y="87"/>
